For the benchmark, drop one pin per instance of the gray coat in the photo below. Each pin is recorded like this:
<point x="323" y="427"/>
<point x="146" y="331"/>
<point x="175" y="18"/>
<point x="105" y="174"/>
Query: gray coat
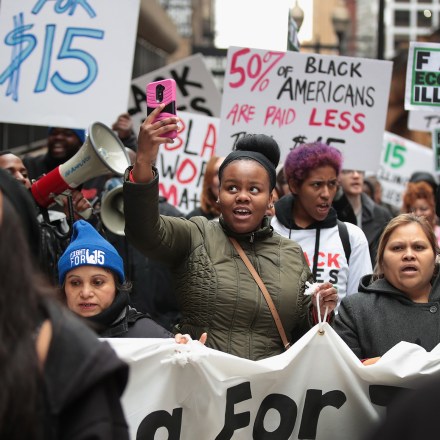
<point x="380" y="316"/>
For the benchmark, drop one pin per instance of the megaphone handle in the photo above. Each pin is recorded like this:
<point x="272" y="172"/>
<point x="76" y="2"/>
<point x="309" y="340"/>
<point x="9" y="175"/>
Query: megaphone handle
<point x="85" y="214"/>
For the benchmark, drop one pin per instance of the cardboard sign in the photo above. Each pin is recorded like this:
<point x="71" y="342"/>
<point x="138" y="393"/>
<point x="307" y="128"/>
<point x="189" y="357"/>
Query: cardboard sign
<point x="400" y="158"/>
<point x="423" y="76"/>
<point x="298" y="98"/>
<point x="318" y="389"/>
<point x="182" y="165"/>
<point x="196" y="91"/>
<point x="66" y="63"/>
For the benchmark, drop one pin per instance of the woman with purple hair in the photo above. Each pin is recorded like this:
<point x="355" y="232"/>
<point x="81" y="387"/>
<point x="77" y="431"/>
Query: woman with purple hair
<point x="335" y="251"/>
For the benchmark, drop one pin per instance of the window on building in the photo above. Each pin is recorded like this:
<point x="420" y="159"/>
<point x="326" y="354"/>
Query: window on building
<point x="401" y="18"/>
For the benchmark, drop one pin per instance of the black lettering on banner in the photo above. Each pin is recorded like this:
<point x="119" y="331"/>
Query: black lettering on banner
<point x="188" y="136"/>
<point x="287" y="410"/>
<point x="236" y="137"/>
<point x="197" y="105"/>
<point x="169" y="171"/>
<point x="234" y="395"/>
<point x="310" y="65"/>
<point x="139" y="96"/>
<point x="194" y="105"/>
<point x="202" y="173"/>
<point x="333" y="276"/>
<point x="315" y="402"/>
<point x="161" y="419"/>
<point x="183" y="203"/>
<point x="318" y="276"/>
<point x="286" y="87"/>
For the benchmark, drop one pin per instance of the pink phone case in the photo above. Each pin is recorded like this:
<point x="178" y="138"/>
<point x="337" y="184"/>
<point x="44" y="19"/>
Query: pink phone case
<point x="163" y="91"/>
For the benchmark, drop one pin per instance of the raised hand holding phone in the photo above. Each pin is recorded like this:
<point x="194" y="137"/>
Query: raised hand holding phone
<point x="151" y="135"/>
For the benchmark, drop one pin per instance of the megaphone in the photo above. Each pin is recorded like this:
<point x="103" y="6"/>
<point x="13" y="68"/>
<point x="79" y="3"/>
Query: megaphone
<point x="112" y="210"/>
<point x="102" y="152"/>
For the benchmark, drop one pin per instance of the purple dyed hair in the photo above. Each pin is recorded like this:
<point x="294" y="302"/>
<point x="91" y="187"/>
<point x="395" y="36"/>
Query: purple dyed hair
<point x="307" y="157"/>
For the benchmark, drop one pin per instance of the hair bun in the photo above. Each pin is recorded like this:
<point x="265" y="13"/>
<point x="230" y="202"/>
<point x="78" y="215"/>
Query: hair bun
<point x="260" y="143"/>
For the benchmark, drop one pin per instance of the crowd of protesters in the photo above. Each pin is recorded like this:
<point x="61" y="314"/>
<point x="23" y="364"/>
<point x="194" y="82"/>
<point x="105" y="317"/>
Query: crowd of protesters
<point x="303" y="221"/>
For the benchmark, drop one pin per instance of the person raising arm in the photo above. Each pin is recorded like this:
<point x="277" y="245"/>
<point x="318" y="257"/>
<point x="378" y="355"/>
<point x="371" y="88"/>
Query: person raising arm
<point x="217" y="293"/>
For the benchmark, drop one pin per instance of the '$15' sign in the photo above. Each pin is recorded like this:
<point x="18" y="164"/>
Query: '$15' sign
<point x="24" y="42"/>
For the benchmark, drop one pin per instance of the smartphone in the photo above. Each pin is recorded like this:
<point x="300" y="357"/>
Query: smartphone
<point x="163" y="91"/>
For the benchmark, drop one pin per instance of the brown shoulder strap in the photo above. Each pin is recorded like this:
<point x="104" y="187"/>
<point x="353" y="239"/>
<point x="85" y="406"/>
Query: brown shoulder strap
<point x="263" y="289"/>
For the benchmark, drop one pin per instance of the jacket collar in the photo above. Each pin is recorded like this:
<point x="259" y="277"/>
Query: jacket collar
<point x="265" y="231"/>
<point x="284" y="208"/>
<point x="382" y="286"/>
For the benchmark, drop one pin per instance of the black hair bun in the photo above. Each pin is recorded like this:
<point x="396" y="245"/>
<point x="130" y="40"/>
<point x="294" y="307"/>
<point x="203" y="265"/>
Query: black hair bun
<point x="260" y="143"/>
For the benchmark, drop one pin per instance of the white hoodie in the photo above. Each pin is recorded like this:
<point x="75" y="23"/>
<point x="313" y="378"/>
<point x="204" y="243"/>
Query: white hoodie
<point x="332" y="263"/>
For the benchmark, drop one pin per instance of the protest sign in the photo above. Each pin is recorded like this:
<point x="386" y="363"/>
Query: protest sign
<point x="66" y="62"/>
<point x="317" y="389"/>
<point x="400" y="158"/>
<point x="422" y="90"/>
<point x="422" y="120"/>
<point x="297" y="98"/>
<point x="182" y="165"/>
<point x="196" y="90"/>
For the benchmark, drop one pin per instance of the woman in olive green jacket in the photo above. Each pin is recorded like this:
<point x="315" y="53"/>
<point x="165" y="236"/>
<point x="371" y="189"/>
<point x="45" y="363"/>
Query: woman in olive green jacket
<point x="217" y="293"/>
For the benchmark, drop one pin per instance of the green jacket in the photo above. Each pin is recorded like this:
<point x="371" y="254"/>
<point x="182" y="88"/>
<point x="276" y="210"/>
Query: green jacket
<point x="217" y="293"/>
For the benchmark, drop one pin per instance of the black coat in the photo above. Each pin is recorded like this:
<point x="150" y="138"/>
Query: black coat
<point x="83" y="382"/>
<point x="122" y="321"/>
<point x="374" y="219"/>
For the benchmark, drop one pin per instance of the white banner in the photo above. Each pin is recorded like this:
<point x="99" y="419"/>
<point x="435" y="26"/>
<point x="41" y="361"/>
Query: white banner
<point x="422" y="91"/>
<point x="400" y="158"/>
<point x="196" y="90"/>
<point x="66" y="63"/>
<point x="297" y="98"/>
<point x="318" y="389"/>
<point x="182" y="165"/>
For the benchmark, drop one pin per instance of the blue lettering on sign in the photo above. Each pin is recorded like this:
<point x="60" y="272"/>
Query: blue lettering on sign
<point x="23" y="43"/>
<point x="62" y="6"/>
<point x="78" y="165"/>
<point x="16" y="38"/>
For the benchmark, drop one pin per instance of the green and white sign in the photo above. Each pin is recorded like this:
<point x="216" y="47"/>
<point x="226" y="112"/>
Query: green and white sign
<point x="423" y="77"/>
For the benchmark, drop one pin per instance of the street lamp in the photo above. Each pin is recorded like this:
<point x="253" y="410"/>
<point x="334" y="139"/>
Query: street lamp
<point x="297" y="14"/>
<point x="341" y="23"/>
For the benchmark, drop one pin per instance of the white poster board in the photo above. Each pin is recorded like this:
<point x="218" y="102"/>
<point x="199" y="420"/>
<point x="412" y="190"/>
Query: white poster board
<point x="422" y="91"/>
<point x="66" y="63"/>
<point x="423" y="120"/>
<point x="182" y="165"/>
<point x="400" y="158"/>
<point x="196" y="90"/>
<point x="318" y="389"/>
<point x="297" y="98"/>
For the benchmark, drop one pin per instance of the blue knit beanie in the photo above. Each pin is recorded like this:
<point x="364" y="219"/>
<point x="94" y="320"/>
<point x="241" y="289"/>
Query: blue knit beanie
<point x="88" y="247"/>
<point x="81" y="134"/>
